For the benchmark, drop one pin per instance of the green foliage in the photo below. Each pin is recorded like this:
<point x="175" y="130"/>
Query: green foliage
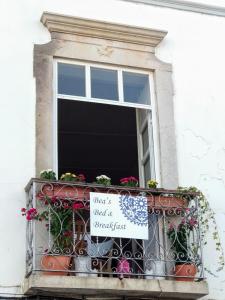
<point x="207" y="222"/>
<point x="152" y="184"/>
<point x="103" y="179"/>
<point x="48" y="174"/>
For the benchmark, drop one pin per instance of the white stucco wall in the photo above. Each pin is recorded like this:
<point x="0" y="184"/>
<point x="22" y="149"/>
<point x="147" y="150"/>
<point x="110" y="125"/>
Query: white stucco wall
<point x="195" y="46"/>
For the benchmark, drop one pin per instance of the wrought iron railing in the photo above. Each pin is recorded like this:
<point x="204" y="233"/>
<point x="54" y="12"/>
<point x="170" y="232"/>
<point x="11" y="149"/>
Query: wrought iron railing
<point x="58" y="234"/>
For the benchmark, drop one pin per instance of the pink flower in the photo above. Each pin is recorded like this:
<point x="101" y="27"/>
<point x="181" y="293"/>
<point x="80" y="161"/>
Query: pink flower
<point x="171" y="226"/>
<point x="81" y="177"/>
<point x="124" y="180"/>
<point x="78" y="206"/>
<point x="192" y="222"/>
<point x="31" y="214"/>
<point x="123" y="266"/>
<point x="131" y="181"/>
<point x="23" y="209"/>
<point x="183" y="221"/>
<point x="131" y="178"/>
<point x="28" y="217"/>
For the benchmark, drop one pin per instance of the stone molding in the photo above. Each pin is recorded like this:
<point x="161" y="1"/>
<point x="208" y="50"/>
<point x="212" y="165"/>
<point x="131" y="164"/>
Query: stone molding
<point x="93" y="47"/>
<point x="103" y="30"/>
<point x="186" y="6"/>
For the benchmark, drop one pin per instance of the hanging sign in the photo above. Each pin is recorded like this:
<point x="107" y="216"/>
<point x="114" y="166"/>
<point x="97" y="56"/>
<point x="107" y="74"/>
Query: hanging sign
<point x="123" y="216"/>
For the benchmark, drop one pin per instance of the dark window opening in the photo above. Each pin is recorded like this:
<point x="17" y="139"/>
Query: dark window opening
<point x="96" y="139"/>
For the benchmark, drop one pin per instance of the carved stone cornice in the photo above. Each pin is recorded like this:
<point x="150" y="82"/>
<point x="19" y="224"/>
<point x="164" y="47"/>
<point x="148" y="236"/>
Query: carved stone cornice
<point x="57" y="23"/>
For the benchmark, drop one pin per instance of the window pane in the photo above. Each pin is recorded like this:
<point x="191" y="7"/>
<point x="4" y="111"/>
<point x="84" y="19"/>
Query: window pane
<point x="145" y="140"/>
<point x="104" y="84"/>
<point x="147" y="172"/>
<point x="71" y="79"/>
<point x="136" y="88"/>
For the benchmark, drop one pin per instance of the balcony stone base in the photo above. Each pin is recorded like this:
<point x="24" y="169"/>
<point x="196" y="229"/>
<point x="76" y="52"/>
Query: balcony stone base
<point x="105" y="288"/>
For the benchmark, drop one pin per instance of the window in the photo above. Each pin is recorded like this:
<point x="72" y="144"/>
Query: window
<point x="130" y="85"/>
<point x="104" y="118"/>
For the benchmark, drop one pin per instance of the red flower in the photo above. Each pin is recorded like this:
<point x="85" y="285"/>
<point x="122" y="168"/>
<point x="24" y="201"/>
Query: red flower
<point x="193" y="222"/>
<point x="78" y="206"/>
<point x="23" y="209"/>
<point x="66" y="204"/>
<point x="54" y="199"/>
<point x="68" y="233"/>
<point x="129" y="181"/>
<point x="31" y="213"/>
<point x="132" y="178"/>
<point x="81" y="177"/>
<point x="124" y="180"/>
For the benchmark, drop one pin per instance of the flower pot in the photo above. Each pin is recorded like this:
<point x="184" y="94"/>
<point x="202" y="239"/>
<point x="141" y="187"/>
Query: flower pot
<point x="57" y="263"/>
<point x="166" y="202"/>
<point x="62" y="192"/>
<point x="83" y="266"/>
<point x="189" y="270"/>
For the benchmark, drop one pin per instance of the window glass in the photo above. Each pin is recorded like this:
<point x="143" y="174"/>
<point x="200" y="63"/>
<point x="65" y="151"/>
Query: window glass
<point x="136" y="88"/>
<point x="145" y="140"/>
<point x="147" y="173"/>
<point x="104" y="84"/>
<point x="71" y="79"/>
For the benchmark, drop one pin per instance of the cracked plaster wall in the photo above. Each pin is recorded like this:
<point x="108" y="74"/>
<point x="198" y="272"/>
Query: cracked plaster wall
<point x="194" y="46"/>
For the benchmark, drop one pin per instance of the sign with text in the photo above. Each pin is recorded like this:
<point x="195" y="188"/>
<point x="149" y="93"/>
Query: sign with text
<point x="124" y="216"/>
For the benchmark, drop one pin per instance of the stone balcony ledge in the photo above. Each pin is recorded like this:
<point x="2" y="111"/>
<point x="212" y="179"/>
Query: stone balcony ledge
<point x="112" y="288"/>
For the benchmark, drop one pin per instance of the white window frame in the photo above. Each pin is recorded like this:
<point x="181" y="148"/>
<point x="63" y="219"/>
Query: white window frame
<point x="120" y="102"/>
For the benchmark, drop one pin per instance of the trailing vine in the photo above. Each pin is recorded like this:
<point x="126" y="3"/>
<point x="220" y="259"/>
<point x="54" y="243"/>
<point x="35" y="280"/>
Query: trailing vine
<point x="207" y="217"/>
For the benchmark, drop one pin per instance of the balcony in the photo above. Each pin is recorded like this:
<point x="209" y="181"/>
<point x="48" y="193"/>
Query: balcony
<point x="64" y="259"/>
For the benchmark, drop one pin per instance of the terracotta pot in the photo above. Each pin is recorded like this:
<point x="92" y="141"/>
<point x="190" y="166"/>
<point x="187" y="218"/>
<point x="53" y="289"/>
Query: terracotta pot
<point x="60" y="263"/>
<point x="185" y="270"/>
<point x="63" y="192"/>
<point x="166" y="203"/>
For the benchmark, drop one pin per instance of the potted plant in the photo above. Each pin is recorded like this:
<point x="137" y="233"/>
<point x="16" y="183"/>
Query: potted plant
<point x="152" y="184"/>
<point x="62" y="191"/>
<point x="103" y="179"/>
<point x="58" y="217"/>
<point x="207" y="223"/>
<point x="48" y="174"/>
<point x="179" y="236"/>
<point x="130" y="181"/>
<point x="165" y="200"/>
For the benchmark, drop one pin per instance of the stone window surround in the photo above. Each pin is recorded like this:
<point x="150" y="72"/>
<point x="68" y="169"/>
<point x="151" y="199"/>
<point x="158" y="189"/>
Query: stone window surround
<point x="107" y="43"/>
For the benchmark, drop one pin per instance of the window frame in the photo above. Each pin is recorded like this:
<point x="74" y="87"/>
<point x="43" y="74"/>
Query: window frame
<point x="88" y="97"/>
<point x="152" y="139"/>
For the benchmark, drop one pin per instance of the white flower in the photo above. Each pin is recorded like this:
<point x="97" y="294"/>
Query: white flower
<point x="48" y="170"/>
<point x="103" y="177"/>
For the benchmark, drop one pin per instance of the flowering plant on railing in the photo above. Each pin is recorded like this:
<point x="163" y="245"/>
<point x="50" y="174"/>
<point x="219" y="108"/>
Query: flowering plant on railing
<point x="72" y="177"/>
<point x="179" y="236"/>
<point x="129" y="181"/>
<point x="152" y="184"/>
<point x="103" y="179"/>
<point x="58" y="217"/>
<point x="206" y="216"/>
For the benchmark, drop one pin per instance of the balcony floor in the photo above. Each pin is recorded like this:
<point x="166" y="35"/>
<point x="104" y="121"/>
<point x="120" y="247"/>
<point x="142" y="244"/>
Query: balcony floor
<point x="112" y="288"/>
